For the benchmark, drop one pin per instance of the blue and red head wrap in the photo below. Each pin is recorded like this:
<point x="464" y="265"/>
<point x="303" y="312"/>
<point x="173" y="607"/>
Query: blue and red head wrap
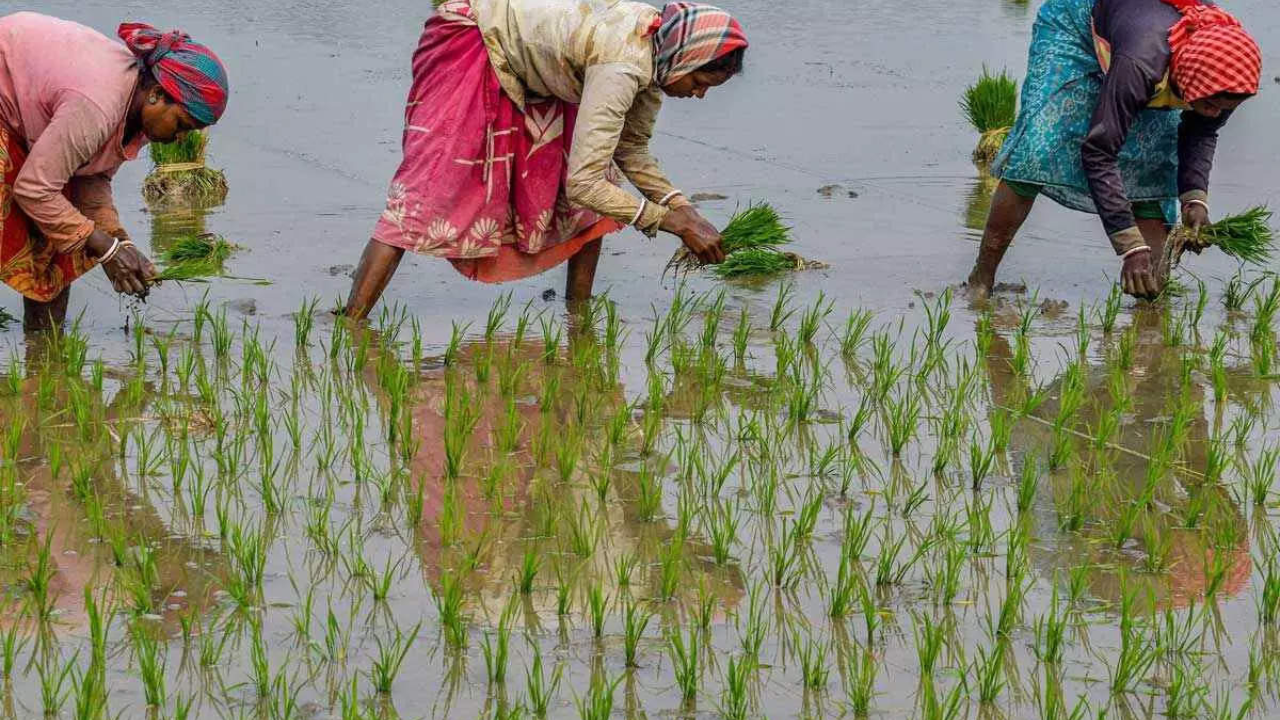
<point x="188" y="71"/>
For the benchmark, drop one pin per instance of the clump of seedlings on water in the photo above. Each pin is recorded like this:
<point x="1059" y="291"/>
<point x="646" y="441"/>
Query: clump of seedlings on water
<point x="990" y="105"/>
<point x="180" y="173"/>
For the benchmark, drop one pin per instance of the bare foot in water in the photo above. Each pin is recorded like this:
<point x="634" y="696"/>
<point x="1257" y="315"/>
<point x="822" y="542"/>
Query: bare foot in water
<point x="979" y="286"/>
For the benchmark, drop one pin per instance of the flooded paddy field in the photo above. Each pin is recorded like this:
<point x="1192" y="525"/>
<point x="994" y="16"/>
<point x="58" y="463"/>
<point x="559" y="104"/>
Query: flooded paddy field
<point x="848" y="493"/>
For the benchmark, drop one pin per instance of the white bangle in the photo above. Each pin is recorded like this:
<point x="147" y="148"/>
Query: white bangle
<point x="643" y="205"/>
<point x="667" y="198"/>
<point x="1201" y="203"/>
<point x="1135" y="251"/>
<point x="111" y="251"/>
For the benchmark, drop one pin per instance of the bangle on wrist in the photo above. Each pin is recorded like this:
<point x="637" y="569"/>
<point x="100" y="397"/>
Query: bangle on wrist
<point x="1135" y="251"/>
<point x="639" y="212"/>
<point x="111" y="251"/>
<point x="667" y="198"/>
<point x="1196" y="201"/>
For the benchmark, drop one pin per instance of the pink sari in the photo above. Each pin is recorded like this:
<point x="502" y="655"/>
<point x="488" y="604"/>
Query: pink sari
<point x="482" y="183"/>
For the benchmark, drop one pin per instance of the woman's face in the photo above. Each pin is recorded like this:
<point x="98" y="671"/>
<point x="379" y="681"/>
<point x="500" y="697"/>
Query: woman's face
<point x="164" y="121"/>
<point x="1215" y="105"/>
<point x="695" y="84"/>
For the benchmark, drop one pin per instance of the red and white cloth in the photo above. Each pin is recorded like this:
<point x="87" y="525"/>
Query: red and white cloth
<point x="1212" y="53"/>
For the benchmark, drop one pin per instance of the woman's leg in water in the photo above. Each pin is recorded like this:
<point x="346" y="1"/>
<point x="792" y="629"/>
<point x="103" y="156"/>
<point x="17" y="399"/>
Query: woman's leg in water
<point x="582" y="272"/>
<point x="377" y="265"/>
<point x="1008" y="211"/>
<point x="40" y="317"/>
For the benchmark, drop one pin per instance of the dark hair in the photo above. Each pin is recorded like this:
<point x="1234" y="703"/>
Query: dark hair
<point x="729" y="64"/>
<point x="1234" y="96"/>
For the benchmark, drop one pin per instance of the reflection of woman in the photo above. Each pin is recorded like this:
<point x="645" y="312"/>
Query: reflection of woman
<point x="514" y="518"/>
<point x="519" y="111"/>
<point x="1096" y="132"/>
<point x="74" y="106"/>
<point x="55" y="513"/>
<point x="1186" y="552"/>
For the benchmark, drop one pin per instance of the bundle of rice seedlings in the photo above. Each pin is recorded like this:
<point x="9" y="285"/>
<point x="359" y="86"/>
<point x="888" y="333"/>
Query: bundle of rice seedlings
<point x="991" y="106"/>
<point x="195" y="257"/>
<point x="6" y="319"/>
<point x="181" y="174"/>
<point x="1247" y="237"/>
<point x="752" y="244"/>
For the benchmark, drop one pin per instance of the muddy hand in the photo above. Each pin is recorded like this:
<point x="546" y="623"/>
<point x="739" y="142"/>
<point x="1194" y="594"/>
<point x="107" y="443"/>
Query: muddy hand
<point x="1139" y="278"/>
<point x="1195" y="218"/>
<point x="130" y="271"/>
<point x="700" y="236"/>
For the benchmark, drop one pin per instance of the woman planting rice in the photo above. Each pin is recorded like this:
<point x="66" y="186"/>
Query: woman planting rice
<point x="518" y="112"/>
<point x="1096" y="131"/>
<point x="68" y="120"/>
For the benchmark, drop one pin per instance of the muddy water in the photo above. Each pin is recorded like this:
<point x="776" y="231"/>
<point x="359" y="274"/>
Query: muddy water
<point x="857" y="96"/>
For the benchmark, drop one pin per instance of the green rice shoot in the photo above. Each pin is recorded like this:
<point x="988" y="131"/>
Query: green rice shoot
<point x="991" y="107"/>
<point x="195" y="257"/>
<point x="189" y="149"/>
<point x="1247" y="237"/>
<point x="759" y="227"/>
<point x="755" y="262"/>
<point x="171" y="180"/>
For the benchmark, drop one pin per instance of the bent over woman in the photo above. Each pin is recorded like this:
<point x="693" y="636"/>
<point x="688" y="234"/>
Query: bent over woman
<point x="74" y="106"/>
<point x="1100" y="129"/>
<point x="520" y="115"/>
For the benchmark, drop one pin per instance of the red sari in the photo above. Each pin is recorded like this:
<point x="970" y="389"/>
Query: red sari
<point x="482" y="183"/>
<point x="28" y="263"/>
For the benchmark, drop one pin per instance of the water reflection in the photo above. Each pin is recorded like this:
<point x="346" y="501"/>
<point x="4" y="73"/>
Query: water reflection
<point x="551" y="475"/>
<point x="66" y="486"/>
<point x="1170" y="535"/>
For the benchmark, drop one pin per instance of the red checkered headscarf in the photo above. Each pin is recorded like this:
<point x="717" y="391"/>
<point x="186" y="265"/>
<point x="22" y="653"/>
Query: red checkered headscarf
<point x="1212" y="53"/>
<point x="188" y="71"/>
<point x="690" y="35"/>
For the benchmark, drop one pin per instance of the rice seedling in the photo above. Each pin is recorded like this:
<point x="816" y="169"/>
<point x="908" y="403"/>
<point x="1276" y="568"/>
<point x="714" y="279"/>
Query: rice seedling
<point x="151" y="666"/>
<point x="449" y="607"/>
<point x="635" y="622"/>
<point x="1246" y="236"/>
<point x="497" y="652"/>
<point x="598" y="703"/>
<point x="1260" y="476"/>
<point x="990" y="672"/>
<point x="540" y="690"/>
<point x="390" y="656"/>
<point x="195" y="257"/>
<point x="684" y="653"/>
<point x="860" y="681"/>
<point x="991" y="106"/>
<point x="181" y="174"/>
<point x="815" y="673"/>
<point x="1268" y="599"/>
<point x="902" y="419"/>
<point x="53" y="685"/>
<point x="1137" y="653"/>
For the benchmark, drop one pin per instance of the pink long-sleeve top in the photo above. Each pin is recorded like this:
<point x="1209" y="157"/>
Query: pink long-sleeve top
<point x="65" y="90"/>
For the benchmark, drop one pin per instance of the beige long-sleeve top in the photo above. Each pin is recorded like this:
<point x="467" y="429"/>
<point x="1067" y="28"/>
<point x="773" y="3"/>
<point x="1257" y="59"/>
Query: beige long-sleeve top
<point x="68" y="108"/>
<point x="596" y="54"/>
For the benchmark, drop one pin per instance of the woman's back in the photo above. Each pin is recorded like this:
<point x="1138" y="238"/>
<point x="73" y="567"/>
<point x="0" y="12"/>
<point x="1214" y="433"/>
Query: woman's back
<point x="45" y="61"/>
<point x="545" y="46"/>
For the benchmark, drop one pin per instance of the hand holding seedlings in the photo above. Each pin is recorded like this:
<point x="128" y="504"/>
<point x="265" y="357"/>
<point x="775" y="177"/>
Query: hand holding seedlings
<point x="700" y="236"/>
<point x="129" y="270"/>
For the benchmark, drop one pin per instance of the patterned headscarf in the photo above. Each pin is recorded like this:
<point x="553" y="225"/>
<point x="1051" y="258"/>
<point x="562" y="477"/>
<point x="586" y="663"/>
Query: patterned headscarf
<point x="1212" y="53"/>
<point x="192" y="75"/>
<point x="690" y="35"/>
